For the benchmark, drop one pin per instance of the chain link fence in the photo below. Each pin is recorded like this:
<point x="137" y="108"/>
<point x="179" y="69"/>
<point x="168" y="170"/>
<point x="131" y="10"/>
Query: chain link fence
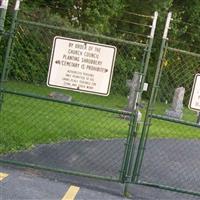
<point x="95" y="136"/>
<point x="67" y="131"/>
<point x="171" y="158"/>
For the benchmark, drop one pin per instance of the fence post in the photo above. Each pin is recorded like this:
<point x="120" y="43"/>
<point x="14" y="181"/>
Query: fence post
<point x="198" y="118"/>
<point x="3" y="11"/>
<point x="8" y="49"/>
<point x="128" y="165"/>
<point x="149" y="110"/>
<point x="130" y="145"/>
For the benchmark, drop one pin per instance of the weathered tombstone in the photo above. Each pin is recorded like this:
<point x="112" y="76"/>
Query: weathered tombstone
<point x="176" y="111"/>
<point x="60" y="96"/>
<point x="134" y="86"/>
<point x="198" y="118"/>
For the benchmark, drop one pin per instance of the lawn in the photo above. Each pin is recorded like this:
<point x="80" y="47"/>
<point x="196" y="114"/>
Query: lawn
<point x="26" y="122"/>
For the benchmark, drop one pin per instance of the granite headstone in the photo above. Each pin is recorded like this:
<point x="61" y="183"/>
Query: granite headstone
<point x="176" y="110"/>
<point x="60" y="96"/>
<point x="134" y="86"/>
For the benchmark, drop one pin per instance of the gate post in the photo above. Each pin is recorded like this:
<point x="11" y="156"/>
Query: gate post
<point x="149" y="110"/>
<point x="126" y="172"/>
<point x="129" y="156"/>
<point x="3" y="11"/>
<point x="8" y="49"/>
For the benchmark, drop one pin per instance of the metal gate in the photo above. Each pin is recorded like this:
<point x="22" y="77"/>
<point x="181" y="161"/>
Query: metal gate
<point x="64" y="131"/>
<point x="171" y="132"/>
<point x="93" y="136"/>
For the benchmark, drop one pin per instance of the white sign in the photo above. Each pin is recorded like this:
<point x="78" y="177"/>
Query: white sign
<point x="145" y="87"/>
<point x="81" y="66"/>
<point x="4" y="4"/>
<point x="194" y="103"/>
<point x="17" y="4"/>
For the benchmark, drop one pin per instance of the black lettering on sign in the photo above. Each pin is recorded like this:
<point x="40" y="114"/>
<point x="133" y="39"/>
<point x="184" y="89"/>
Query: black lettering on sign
<point x="80" y="46"/>
<point x="71" y="44"/>
<point x="98" y="69"/>
<point x="75" y="52"/>
<point x="97" y="49"/>
<point x="74" y="58"/>
<point x="91" y="61"/>
<point x="91" y="55"/>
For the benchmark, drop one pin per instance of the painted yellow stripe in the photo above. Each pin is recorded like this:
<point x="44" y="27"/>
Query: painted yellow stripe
<point x="71" y="193"/>
<point x="2" y="176"/>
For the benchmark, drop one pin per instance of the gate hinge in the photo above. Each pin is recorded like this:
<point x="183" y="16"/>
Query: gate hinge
<point x="147" y="124"/>
<point x="127" y="179"/>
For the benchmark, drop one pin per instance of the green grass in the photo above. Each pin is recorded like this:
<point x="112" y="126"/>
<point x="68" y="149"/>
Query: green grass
<point x="26" y="122"/>
<point x="112" y="101"/>
<point x="164" y="129"/>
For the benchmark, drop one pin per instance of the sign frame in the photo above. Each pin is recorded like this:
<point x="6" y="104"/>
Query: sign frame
<point x="86" y="43"/>
<point x="190" y="105"/>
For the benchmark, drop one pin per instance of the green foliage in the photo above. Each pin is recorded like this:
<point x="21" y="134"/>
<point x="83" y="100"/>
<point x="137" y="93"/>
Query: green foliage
<point x="32" y="45"/>
<point x="127" y="62"/>
<point x="179" y="68"/>
<point x="108" y="17"/>
<point x="96" y="15"/>
<point x="30" y="58"/>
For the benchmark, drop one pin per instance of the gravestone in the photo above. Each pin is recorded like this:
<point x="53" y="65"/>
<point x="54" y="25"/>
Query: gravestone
<point x="134" y="86"/>
<point x="60" y="96"/>
<point x="198" y="118"/>
<point x="176" y="110"/>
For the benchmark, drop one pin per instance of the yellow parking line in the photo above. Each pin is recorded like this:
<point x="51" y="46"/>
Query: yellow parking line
<point x="71" y="193"/>
<point x="2" y="176"/>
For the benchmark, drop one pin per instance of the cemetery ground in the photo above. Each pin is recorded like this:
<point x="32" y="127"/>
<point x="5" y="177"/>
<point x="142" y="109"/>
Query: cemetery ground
<point x="30" y="126"/>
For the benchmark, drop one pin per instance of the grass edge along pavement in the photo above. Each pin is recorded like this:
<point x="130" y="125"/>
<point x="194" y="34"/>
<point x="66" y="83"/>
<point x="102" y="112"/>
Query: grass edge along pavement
<point x="26" y="122"/>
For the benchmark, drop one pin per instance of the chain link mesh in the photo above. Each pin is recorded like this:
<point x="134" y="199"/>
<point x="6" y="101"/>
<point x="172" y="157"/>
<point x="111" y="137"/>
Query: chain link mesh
<point x="87" y="134"/>
<point x="62" y="136"/>
<point x="172" y="149"/>
<point x="179" y="69"/>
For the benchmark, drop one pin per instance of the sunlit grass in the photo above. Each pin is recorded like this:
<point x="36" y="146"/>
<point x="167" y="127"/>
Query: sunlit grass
<point x="26" y="122"/>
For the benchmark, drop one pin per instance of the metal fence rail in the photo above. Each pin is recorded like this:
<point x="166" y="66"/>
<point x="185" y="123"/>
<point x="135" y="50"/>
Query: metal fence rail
<point x="62" y="137"/>
<point x="87" y="135"/>
<point x="171" y="137"/>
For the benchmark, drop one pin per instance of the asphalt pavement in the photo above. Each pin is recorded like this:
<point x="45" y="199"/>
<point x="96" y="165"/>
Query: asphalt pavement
<point x="25" y="184"/>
